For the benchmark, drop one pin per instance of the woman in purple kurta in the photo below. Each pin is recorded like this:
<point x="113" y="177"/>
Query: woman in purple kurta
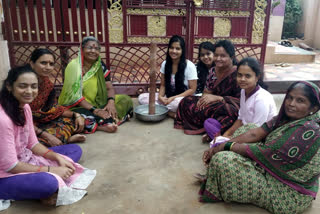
<point x="220" y="99"/>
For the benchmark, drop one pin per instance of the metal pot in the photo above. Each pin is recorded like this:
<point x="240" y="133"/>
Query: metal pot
<point x="142" y="113"/>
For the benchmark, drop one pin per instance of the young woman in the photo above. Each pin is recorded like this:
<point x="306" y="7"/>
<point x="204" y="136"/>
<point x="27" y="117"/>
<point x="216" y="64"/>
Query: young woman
<point x="87" y="89"/>
<point x="205" y="63"/>
<point x="256" y="104"/>
<point x="29" y="170"/>
<point x="178" y="77"/>
<point x="54" y="124"/>
<point x="280" y="174"/>
<point x="220" y="99"/>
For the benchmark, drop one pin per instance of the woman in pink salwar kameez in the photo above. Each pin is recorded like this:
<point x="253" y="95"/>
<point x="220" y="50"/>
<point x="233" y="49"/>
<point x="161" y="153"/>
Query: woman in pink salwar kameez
<point x="29" y="170"/>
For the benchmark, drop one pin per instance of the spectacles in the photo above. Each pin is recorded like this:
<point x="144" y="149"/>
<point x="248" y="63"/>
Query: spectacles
<point x="92" y="48"/>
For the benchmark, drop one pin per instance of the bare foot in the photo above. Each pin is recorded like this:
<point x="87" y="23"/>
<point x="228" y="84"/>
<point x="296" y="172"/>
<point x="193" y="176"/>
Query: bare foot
<point x="77" y="138"/>
<point x="52" y="200"/>
<point x="111" y="128"/>
<point x="172" y="114"/>
<point x="201" y="178"/>
<point x="206" y="138"/>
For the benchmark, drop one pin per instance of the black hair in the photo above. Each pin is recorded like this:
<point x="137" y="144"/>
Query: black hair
<point x="37" y="53"/>
<point x="202" y="69"/>
<point x="308" y="92"/>
<point x="8" y="102"/>
<point x="88" y="39"/>
<point x="229" y="48"/>
<point x="179" y="76"/>
<point x="255" y="67"/>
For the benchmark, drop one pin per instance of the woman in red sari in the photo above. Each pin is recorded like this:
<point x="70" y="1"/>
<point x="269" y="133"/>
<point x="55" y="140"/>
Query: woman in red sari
<point x="220" y="99"/>
<point x="54" y="124"/>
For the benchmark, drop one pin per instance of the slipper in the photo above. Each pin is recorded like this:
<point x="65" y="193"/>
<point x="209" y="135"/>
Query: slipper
<point x="288" y="43"/>
<point x="278" y="64"/>
<point x="285" y="65"/>
<point x="283" y="43"/>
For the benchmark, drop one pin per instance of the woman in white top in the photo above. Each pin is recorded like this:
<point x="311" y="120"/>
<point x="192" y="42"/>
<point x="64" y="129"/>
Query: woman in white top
<point x="256" y="104"/>
<point x="178" y="77"/>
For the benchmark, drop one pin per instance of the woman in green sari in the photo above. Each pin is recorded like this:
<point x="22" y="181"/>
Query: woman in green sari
<point x="88" y="90"/>
<point x="281" y="172"/>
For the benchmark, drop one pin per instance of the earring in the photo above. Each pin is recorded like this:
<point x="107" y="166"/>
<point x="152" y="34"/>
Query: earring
<point x="311" y="113"/>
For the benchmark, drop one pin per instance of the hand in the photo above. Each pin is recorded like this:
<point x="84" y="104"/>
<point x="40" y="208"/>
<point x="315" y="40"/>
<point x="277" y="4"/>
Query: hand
<point x="79" y="123"/>
<point x="170" y="99"/>
<point x="51" y="139"/>
<point x="207" y="155"/>
<point x="65" y="163"/>
<point x="101" y="113"/>
<point x="62" y="171"/>
<point x="208" y="99"/>
<point x="111" y="108"/>
<point x="163" y="100"/>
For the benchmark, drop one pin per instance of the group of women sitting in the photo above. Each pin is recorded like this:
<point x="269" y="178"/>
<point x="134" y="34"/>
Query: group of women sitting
<point x="256" y="155"/>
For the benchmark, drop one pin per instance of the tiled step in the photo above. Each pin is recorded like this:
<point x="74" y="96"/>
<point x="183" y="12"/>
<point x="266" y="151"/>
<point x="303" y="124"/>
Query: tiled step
<point x="280" y="54"/>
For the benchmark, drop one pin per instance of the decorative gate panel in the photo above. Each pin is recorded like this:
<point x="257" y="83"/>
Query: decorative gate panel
<point x="126" y="28"/>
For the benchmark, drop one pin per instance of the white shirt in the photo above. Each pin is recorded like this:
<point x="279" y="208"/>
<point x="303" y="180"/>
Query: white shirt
<point x="190" y="72"/>
<point x="258" y="108"/>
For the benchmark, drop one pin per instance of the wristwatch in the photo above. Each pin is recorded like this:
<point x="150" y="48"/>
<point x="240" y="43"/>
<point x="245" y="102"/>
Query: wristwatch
<point x="92" y="109"/>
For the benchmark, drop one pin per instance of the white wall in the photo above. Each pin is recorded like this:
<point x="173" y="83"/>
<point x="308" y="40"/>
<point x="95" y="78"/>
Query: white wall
<point x="310" y="24"/>
<point x="4" y="54"/>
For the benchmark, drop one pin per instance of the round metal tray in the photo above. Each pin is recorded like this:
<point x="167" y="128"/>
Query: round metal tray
<point x="142" y="113"/>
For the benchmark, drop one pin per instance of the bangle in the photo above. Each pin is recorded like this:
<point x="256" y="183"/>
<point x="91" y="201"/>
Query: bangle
<point x="44" y="155"/>
<point x="110" y="98"/>
<point x="76" y="115"/>
<point x="232" y="145"/>
<point x="92" y="109"/>
<point x="38" y="170"/>
<point x="227" y="146"/>
<point x="48" y="168"/>
<point x="39" y="134"/>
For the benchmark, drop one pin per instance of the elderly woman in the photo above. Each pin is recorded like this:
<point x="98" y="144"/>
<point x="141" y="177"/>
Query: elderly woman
<point x="54" y="124"/>
<point x="220" y="98"/>
<point x="279" y="174"/>
<point x="88" y="90"/>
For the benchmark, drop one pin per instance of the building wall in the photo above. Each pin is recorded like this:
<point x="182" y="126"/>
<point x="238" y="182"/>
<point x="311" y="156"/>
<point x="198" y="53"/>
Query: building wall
<point x="4" y="54"/>
<point x="310" y="24"/>
<point x="276" y="22"/>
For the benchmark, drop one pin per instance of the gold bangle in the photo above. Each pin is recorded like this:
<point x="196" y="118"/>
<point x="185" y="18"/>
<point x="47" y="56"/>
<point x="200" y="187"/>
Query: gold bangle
<point x="232" y="145"/>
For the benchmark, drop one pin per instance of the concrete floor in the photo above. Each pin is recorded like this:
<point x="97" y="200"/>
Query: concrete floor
<point x="144" y="168"/>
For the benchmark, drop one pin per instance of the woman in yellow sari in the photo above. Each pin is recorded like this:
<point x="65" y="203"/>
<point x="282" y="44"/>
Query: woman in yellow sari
<point x="88" y="90"/>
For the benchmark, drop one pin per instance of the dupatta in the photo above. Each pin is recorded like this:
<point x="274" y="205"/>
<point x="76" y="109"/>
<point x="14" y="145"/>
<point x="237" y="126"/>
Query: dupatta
<point x="44" y="107"/>
<point x="72" y="91"/>
<point x="291" y="150"/>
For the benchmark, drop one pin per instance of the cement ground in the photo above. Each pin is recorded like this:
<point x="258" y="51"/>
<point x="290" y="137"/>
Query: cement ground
<point x="144" y="168"/>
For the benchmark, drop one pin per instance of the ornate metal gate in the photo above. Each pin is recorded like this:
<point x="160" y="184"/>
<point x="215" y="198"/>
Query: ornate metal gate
<point x="126" y="28"/>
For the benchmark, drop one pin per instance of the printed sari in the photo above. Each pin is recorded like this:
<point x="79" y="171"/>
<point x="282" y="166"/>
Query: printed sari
<point x="91" y="87"/>
<point x="191" y="119"/>
<point x="47" y="114"/>
<point x="280" y="175"/>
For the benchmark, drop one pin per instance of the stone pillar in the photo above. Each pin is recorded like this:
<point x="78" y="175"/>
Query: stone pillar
<point x="4" y="53"/>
